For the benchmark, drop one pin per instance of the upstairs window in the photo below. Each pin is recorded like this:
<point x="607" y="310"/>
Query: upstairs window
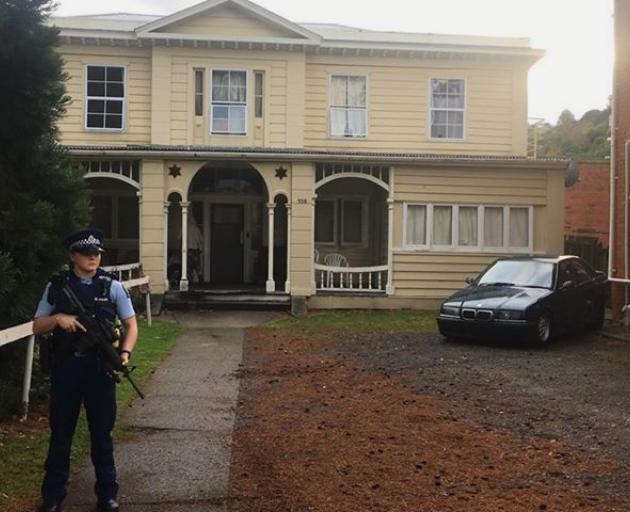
<point x="448" y="100"/>
<point x="229" y="102"/>
<point x="348" y="106"/>
<point x="105" y="98"/>
<point x="199" y="92"/>
<point x="258" y="94"/>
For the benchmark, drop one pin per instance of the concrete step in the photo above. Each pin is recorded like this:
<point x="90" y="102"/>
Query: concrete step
<point x="197" y="300"/>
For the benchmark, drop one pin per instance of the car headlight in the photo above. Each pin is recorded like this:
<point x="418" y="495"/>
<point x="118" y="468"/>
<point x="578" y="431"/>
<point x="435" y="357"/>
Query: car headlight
<point x="449" y="310"/>
<point x="506" y="314"/>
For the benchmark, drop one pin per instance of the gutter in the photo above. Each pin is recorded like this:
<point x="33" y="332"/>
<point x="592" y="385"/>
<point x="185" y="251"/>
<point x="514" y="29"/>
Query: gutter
<point x="193" y="154"/>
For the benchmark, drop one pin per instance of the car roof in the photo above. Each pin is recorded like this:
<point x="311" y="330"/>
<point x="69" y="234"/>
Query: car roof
<point x="542" y="258"/>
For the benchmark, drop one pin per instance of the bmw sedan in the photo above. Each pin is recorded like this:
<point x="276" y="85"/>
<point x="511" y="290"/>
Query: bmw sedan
<point x="531" y="298"/>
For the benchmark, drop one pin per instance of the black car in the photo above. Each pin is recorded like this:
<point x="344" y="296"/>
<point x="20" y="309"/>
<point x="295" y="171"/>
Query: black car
<point x="530" y="298"/>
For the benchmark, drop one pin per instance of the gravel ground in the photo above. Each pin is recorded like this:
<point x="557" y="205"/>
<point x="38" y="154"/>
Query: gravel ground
<point x="389" y="422"/>
<point x="577" y="389"/>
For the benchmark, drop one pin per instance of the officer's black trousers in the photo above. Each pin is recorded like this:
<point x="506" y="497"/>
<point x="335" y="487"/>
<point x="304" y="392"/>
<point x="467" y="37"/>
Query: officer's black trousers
<point x="76" y="380"/>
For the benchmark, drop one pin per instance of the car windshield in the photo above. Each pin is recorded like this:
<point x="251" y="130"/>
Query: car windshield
<point x="538" y="274"/>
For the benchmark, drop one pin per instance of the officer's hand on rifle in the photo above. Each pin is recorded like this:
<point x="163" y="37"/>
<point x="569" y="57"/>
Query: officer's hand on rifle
<point x="69" y="323"/>
<point x="124" y="357"/>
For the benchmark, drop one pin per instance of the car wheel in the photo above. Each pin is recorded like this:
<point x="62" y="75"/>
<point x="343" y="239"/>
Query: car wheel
<point x="543" y="329"/>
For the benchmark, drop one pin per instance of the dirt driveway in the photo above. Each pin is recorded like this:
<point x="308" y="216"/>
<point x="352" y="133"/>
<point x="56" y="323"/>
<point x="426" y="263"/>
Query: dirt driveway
<point x="393" y="422"/>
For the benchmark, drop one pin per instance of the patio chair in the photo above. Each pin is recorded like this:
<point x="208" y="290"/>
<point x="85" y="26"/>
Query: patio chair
<point x="336" y="260"/>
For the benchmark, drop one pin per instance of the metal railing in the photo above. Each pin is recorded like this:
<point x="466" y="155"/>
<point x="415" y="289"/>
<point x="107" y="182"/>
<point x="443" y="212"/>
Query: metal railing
<point x="25" y="331"/>
<point x="351" y="279"/>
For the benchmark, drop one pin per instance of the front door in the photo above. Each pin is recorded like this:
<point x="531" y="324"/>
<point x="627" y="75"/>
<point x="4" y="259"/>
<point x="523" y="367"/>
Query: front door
<point x="226" y="244"/>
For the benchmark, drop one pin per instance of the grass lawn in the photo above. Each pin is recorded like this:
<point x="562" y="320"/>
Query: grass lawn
<point x="23" y="450"/>
<point x="358" y="321"/>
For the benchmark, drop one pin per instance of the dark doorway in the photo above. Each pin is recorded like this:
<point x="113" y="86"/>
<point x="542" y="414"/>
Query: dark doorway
<point x="226" y="244"/>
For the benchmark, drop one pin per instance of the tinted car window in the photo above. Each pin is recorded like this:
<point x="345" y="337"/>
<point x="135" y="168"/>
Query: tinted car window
<point x="566" y="273"/>
<point x="519" y="273"/>
<point x="583" y="273"/>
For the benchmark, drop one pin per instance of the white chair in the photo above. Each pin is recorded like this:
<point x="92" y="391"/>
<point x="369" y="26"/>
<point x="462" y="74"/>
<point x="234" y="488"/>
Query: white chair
<point x="336" y="260"/>
<point x="315" y="255"/>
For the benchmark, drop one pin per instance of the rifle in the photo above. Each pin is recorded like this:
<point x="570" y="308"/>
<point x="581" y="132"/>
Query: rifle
<point x="99" y="337"/>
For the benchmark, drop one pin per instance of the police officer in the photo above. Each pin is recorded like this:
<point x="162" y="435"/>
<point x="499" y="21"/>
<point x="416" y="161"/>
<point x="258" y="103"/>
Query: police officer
<point x="78" y="377"/>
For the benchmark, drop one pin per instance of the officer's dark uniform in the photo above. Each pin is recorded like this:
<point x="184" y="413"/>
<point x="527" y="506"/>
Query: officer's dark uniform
<point x="79" y="378"/>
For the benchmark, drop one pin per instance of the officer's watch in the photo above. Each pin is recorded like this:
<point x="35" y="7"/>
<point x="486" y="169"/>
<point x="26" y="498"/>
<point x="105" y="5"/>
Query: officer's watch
<point x="128" y="352"/>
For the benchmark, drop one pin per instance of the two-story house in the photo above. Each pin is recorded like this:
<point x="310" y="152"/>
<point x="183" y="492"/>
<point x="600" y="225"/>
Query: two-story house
<point x="230" y="147"/>
<point x="619" y="262"/>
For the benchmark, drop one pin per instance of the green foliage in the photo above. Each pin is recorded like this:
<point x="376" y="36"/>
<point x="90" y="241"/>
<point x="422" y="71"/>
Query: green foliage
<point x="583" y="139"/>
<point x="42" y="198"/>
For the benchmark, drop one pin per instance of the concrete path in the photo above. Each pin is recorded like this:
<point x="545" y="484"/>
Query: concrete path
<point x="178" y="457"/>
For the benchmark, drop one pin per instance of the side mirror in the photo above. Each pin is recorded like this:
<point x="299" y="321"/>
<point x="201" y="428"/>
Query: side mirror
<point x="470" y="280"/>
<point x="599" y="273"/>
<point x="567" y="284"/>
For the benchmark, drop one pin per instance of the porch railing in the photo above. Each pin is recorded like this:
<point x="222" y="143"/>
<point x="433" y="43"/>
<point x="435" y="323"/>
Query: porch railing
<point x="351" y="279"/>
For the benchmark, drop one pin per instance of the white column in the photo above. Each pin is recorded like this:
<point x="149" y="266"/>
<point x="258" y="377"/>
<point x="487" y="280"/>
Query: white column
<point x="287" y="283"/>
<point x="166" y="285"/>
<point x="183" y="283"/>
<point x="313" y="283"/>
<point x="271" y="285"/>
<point x="140" y="224"/>
<point x="389" y="288"/>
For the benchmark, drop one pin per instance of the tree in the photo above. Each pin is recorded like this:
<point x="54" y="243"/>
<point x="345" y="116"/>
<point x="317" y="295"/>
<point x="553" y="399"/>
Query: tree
<point x="583" y="139"/>
<point x="42" y="198"/>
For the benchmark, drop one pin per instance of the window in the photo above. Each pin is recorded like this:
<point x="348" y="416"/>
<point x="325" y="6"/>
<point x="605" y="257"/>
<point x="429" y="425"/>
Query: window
<point x="468" y="227"/>
<point x="128" y="217"/>
<point x="416" y="231"/>
<point x="447" y="108"/>
<point x="199" y="92"/>
<point x="258" y="94"/>
<point x="341" y="221"/>
<point x="105" y="98"/>
<point x="493" y="227"/>
<point x="443" y="225"/>
<point x="348" y="106"/>
<point x="352" y="224"/>
<point x="519" y="227"/>
<point x="468" y="231"/>
<point x="229" y="102"/>
<point x="325" y="221"/>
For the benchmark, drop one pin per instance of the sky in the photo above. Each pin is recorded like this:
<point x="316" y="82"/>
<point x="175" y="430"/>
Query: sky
<point x="575" y="74"/>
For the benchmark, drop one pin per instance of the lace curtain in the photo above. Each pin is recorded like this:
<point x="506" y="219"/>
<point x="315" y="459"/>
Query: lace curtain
<point x="416" y="225"/>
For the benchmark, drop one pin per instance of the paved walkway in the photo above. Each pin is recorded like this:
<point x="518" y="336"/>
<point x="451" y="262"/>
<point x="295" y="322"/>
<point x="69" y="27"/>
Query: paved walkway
<point x="178" y="458"/>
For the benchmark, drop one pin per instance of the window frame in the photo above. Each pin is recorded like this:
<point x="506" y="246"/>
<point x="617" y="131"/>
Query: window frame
<point x="431" y="109"/>
<point x="115" y="196"/>
<point x="196" y="93"/>
<point x="366" y="108"/>
<point x="506" y="248"/>
<point x="364" y="220"/>
<point x="259" y="97"/>
<point x="246" y="104"/>
<point x="87" y="128"/>
<point x="335" y="241"/>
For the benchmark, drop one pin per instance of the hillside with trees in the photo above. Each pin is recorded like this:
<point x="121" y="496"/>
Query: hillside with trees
<point x="576" y="139"/>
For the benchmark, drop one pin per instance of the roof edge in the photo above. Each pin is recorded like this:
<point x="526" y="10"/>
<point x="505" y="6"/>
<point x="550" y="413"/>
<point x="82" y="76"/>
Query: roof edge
<point x="257" y="10"/>
<point x="196" y="152"/>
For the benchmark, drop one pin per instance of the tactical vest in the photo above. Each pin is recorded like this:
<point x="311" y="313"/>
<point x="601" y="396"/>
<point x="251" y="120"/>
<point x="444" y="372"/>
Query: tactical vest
<point x="95" y="297"/>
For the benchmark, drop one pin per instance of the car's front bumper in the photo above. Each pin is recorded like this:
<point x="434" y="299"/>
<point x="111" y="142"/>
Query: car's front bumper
<point x="489" y="329"/>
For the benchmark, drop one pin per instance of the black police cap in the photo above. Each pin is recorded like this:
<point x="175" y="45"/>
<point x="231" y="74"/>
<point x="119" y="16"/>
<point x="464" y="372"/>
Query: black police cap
<point x="90" y="239"/>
